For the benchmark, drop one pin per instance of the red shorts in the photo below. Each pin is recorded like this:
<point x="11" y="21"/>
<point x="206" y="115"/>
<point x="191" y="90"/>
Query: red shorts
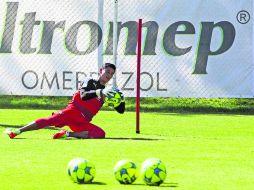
<point x="73" y="118"/>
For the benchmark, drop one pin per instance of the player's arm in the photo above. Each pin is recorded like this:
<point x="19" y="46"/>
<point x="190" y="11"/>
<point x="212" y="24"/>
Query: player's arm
<point x="87" y="94"/>
<point x="87" y="90"/>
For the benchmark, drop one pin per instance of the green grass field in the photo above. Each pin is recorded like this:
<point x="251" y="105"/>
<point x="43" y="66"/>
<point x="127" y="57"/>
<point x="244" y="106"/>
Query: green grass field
<point x="205" y="152"/>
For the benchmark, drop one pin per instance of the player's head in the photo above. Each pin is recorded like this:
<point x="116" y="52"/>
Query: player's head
<point x="111" y="65"/>
<point x="107" y="72"/>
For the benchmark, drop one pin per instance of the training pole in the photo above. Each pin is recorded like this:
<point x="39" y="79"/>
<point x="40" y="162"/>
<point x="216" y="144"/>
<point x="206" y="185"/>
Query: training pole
<point x="138" y="76"/>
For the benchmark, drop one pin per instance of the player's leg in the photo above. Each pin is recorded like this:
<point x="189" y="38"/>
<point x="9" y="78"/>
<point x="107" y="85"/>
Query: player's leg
<point x="87" y="131"/>
<point x="29" y="127"/>
<point x="96" y="132"/>
<point x="54" y="120"/>
<point x="79" y="135"/>
<point x="64" y="134"/>
<point x="90" y="131"/>
<point x="13" y="132"/>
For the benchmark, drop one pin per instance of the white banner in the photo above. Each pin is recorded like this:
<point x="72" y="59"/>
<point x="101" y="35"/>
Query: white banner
<point x="190" y="49"/>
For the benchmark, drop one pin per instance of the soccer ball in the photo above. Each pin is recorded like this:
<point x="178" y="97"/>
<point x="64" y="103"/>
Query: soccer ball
<point x="81" y="170"/>
<point x="153" y="172"/>
<point x="125" y="171"/>
<point x="114" y="100"/>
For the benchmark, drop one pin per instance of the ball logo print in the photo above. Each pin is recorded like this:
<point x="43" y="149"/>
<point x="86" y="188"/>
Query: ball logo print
<point x="153" y="172"/>
<point x="81" y="171"/>
<point x="125" y="172"/>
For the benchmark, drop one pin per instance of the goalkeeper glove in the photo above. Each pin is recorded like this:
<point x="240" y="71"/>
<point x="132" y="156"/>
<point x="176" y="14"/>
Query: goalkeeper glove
<point x="105" y="92"/>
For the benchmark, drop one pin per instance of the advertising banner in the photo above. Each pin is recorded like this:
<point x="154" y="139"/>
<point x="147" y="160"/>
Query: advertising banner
<point x="189" y="48"/>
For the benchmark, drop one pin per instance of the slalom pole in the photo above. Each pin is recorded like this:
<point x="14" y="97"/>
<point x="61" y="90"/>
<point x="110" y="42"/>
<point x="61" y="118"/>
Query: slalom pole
<point x="138" y="77"/>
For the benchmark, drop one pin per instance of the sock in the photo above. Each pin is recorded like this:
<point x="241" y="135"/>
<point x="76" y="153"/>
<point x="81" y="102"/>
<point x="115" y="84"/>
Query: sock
<point x="17" y="131"/>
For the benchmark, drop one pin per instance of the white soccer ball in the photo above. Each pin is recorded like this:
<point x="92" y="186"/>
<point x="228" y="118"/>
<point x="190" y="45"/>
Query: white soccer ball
<point x="81" y="170"/>
<point x="153" y="172"/>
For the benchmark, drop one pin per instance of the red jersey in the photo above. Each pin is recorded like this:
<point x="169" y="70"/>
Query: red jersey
<point x="88" y="108"/>
<point x="86" y="100"/>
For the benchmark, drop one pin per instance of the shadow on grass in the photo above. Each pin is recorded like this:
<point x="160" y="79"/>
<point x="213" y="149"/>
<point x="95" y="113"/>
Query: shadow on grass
<point x="135" y="184"/>
<point x="193" y="113"/>
<point x="18" y="126"/>
<point x="110" y="138"/>
<point x="138" y="139"/>
<point x="94" y="183"/>
<point x="18" y="138"/>
<point x="114" y="138"/>
<point x="169" y="185"/>
<point x="162" y="185"/>
<point x="8" y="125"/>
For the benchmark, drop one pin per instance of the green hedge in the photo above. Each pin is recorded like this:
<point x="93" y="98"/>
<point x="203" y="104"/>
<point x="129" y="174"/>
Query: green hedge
<point x="209" y="105"/>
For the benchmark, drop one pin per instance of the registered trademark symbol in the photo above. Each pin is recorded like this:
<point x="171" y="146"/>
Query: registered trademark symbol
<point x="243" y="17"/>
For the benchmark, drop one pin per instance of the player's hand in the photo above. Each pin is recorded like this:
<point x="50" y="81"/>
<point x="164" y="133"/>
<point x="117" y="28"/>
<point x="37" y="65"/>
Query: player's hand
<point x="105" y="92"/>
<point x="108" y="92"/>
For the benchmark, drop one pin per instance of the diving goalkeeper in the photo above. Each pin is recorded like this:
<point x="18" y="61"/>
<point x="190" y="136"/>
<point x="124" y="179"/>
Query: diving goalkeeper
<point x="77" y="115"/>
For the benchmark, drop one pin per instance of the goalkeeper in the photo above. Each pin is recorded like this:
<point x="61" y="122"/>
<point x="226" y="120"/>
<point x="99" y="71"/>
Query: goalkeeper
<point x="85" y="104"/>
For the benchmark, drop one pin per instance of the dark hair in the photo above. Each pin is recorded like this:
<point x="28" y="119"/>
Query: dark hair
<point x="111" y="65"/>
